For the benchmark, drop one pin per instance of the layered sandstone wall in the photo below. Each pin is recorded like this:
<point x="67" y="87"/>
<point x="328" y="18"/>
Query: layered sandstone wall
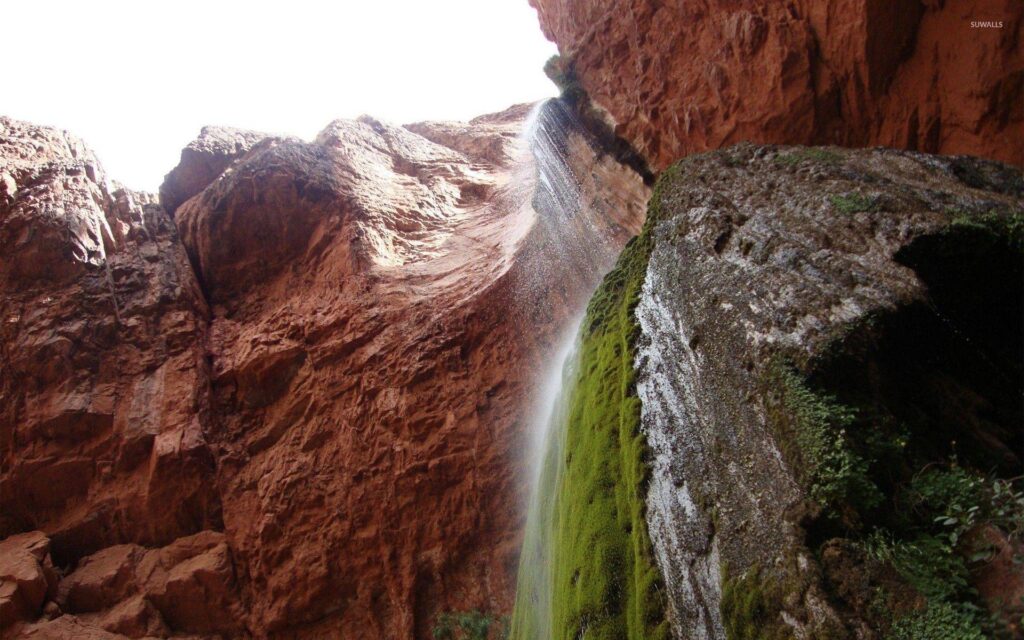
<point x="684" y="77"/>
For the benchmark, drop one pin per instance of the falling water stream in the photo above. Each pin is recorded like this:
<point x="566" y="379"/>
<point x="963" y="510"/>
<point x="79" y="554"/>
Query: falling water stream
<point x="577" y="245"/>
<point x="535" y="559"/>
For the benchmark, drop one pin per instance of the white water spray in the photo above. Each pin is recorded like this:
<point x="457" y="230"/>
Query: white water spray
<point x="576" y="247"/>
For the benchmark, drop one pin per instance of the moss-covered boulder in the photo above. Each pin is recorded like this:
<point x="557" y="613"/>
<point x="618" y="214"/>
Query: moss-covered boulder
<point x="799" y="396"/>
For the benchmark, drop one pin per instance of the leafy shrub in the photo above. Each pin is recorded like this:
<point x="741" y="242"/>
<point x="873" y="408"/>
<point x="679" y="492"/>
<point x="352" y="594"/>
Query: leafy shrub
<point x="929" y="563"/>
<point x="931" y="552"/>
<point x="940" y="621"/>
<point x="956" y="500"/>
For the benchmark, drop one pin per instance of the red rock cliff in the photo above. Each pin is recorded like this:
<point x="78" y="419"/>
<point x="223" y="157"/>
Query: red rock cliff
<point x="683" y="77"/>
<point x="293" y="404"/>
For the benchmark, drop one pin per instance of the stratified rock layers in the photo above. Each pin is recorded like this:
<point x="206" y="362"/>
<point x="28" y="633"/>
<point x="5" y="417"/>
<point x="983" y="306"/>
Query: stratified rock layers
<point x="683" y="77"/>
<point x="295" y="403"/>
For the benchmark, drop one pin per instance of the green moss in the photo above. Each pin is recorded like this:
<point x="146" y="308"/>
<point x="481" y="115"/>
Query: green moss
<point x="604" y="581"/>
<point x="811" y="428"/>
<point x="852" y="202"/>
<point x="750" y="606"/>
<point x="561" y="72"/>
<point x="818" y="155"/>
<point x="753" y="601"/>
<point x="463" y="625"/>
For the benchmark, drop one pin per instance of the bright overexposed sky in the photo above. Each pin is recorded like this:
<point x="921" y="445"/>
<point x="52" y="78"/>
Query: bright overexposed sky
<point x="137" y="79"/>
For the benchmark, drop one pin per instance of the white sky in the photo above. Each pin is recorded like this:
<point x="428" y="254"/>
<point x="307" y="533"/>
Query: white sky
<point x="137" y="79"/>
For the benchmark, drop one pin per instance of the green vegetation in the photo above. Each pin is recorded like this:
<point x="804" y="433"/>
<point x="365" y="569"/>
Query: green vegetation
<point x="934" y="622"/>
<point x="753" y="600"/>
<point x="466" y="625"/>
<point x="750" y="606"/>
<point x="862" y="438"/>
<point x="859" y="469"/>
<point x="606" y="584"/>
<point x="933" y="551"/>
<point x="604" y="581"/>
<point x="561" y="72"/>
<point x="1004" y="228"/>
<point x="813" y="154"/>
<point x="812" y="429"/>
<point x="852" y="202"/>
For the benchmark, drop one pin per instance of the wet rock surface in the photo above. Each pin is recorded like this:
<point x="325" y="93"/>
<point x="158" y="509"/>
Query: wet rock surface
<point x="679" y="78"/>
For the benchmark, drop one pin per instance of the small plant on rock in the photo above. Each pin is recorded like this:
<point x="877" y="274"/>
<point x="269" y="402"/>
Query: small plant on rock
<point x="822" y="156"/>
<point x="934" y="551"/>
<point x="936" y="621"/>
<point x="853" y="202"/>
<point x="818" y="445"/>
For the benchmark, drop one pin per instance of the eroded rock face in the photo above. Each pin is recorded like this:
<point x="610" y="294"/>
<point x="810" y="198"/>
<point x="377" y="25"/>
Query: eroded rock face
<point x="292" y="399"/>
<point x="889" y="279"/>
<point x="684" y="77"/>
<point x="369" y="380"/>
<point x="202" y="161"/>
<point x="104" y="396"/>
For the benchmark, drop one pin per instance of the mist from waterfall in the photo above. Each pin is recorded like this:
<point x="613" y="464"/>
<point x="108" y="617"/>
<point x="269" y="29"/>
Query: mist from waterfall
<point x="535" y="580"/>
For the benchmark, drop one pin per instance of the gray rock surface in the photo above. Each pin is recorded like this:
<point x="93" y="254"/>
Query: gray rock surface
<point x="760" y="251"/>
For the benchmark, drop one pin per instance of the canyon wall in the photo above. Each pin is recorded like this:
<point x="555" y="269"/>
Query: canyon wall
<point x="794" y="414"/>
<point x="797" y="407"/>
<point x="289" y="398"/>
<point x="683" y="77"/>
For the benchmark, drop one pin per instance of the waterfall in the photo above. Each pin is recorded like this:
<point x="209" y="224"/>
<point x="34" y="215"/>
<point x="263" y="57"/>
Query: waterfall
<point x="535" y="560"/>
<point x="574" y="245"/>
<point x="575" y="248"/>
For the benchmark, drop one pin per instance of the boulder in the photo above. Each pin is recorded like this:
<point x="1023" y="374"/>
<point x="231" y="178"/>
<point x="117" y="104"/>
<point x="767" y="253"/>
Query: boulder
<point x="27" y="577"/>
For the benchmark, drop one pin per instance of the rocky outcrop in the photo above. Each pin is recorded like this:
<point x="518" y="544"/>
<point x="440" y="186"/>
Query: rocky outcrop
<point x="863" y="305"/>
<point x="202" y="162"/>
<point x="814" y="347"/>
<point x="187" y="587"/>
<point x="679" y="78"/>
<point x="369" y="367"/>
<point x="290" y="398"/>
<point x="105" y="387"/>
